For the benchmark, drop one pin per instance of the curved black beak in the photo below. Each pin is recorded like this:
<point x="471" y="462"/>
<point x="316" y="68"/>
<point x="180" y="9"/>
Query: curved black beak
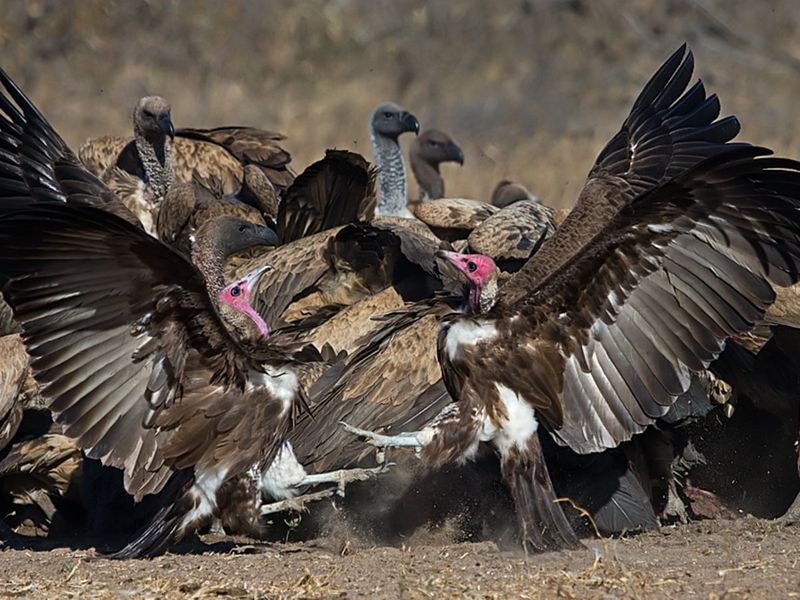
<point x="165" y="124"/>
<point x="410" y="122"/>
<point x="268" y="235"/>
<point x="455" y="153"/>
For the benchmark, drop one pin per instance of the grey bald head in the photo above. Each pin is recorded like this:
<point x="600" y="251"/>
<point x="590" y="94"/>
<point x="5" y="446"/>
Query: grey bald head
<point x="229" y="235"/>
<point x="435" y="147"/>
<point x="390" y="120"/>
<point x="152" y="118"/>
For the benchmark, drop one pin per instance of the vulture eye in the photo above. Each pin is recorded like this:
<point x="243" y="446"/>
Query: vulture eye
<point x="242" y="227"/>
<point x="472" y="267"/>
<point x="236" y="291"/>
<point x="148" y="114"/>
<point x="434" y="144"/>
<point x="388" y="115"/>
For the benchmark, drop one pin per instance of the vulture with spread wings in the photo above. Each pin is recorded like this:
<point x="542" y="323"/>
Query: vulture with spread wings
<point x="673" y="246"/>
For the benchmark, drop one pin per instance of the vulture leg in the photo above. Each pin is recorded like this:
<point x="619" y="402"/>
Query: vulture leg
<point x="297" y="504"/>
<point x="343" y="476"/>
<point x="408" y="439"/>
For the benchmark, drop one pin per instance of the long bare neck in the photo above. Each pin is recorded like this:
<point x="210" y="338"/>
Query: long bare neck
<point x="393" y="194"/>
<point x="156" y="156"/>
<point x="211" y="264"/>
<point x="431" y="184"/>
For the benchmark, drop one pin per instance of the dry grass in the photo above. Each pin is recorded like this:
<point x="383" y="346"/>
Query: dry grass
<point x="531" y="88"/>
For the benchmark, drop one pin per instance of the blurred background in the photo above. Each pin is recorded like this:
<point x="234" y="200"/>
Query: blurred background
<point x="531" y="89"/>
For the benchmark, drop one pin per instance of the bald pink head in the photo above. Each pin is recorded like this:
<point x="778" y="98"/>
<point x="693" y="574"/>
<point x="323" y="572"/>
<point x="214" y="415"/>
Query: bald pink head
<point x="237" y="295"/>
<point x="476" y="267"/>
<point x="481" y="273"/>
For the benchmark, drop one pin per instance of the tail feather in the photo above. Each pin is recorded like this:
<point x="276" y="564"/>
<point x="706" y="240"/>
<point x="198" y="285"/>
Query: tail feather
<point x="165" y="526"/>
<point x="543" y="524"/>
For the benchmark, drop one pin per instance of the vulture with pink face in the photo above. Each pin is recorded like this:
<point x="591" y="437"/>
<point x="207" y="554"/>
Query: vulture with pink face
<point x="153" y="364"/>
<point x="673" y="246"/>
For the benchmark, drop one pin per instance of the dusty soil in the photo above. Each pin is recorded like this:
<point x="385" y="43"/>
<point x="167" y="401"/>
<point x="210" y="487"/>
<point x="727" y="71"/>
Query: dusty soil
<point x="744" y="558"/>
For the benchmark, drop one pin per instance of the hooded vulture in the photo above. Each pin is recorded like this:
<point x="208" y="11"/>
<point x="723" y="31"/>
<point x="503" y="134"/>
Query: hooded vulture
<point x="670" y="250"/>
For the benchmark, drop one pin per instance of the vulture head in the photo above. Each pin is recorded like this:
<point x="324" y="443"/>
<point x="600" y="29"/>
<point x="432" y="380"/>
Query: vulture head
<point x="152" y="120"/>
<point x="390" y="120"/>
<point x="427" y="152"/>
<point x="507" y="193"/>
<point x="235" y="309"/>
<point x="229" y="235"/>
<point x="479" y="274"/>
<point x="435" y="147"/>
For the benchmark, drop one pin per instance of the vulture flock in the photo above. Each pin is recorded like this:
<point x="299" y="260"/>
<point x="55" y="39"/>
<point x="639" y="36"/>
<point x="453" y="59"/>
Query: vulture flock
<point x="196" y="338"/>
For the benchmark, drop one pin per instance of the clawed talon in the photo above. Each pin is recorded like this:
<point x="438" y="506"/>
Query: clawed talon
<point x="401" y="440"/>
<point x="341" y="478"/>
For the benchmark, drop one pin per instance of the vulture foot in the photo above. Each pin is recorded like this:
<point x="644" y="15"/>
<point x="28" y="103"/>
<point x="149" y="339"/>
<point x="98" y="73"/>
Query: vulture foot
<point x="344" y="476"/>
<point x="408" y="439"/>
<point x="675" y="510"/>
<point x="297" y="504"/>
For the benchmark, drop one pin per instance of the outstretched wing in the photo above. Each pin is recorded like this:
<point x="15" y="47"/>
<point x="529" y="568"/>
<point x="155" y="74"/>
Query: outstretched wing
<point x="669" y="130"/>
<point x="113" y="321"/>
<point x="35" y="163"/>
<point x="393" y="383"/>
<point x="607" y="343"/>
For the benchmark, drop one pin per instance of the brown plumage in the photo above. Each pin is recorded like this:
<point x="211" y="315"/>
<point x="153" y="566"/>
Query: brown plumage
<point x="661" y="260"/>
<point x="510" y="234"/>
<point x="171" y="384"/>
<point x="187" y="207"/>
<point x="452" y="219"/>
<point x="426" y="153"/>
<point x="13" y="374"/>
<point x="151" y="364"/>
<point x="222" y="152"/>
<point x="326" y="264"/>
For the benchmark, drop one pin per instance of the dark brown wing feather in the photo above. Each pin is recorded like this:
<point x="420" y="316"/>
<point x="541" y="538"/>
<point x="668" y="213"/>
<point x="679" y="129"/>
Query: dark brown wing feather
<point x="250" y="146"/>
<point x="669" y="130"/>
<point x="393" y="383"/>
<point x="35" y="163"/>
<point x="334" y="191"/>
<point x="604" y="345"/>
<point x="113" y="320"/>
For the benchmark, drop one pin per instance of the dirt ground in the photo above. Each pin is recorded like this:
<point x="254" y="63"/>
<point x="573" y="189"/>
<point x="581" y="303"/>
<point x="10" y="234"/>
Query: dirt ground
<point x="743" y="558"/>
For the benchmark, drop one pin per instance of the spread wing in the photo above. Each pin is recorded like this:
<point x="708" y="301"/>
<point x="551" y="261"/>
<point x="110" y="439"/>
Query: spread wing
<point x="393" y="383"/>
<point x="669" y="129"/>
<point x="35" y="163"/>
<point x="607" y="343"/>
<point x="122" y="337"/>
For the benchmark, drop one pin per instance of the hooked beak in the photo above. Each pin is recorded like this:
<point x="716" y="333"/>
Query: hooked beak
<point x="410" y="122"/>
<point x="254" y="276"/>
<point x="165" y="124"/>
<point x="455" y="153"/>
<point x="446" y="264"/>
<point x="268" y="235"/>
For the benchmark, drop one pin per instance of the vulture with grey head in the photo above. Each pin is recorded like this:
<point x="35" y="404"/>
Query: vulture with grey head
<point x="668" y="252"/>
<point x="427" y="152"/>
<point x="387" y="122"/>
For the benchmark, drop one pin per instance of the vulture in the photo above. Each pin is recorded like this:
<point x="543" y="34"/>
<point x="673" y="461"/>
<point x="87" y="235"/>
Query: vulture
<point x="337" y="265"/>
<point x="387" y="122"/>
<point x="426" y="153"/>
<point x="222" y="152"/>
<point x="152" y="365"/>
<point x="669" y="251"/>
